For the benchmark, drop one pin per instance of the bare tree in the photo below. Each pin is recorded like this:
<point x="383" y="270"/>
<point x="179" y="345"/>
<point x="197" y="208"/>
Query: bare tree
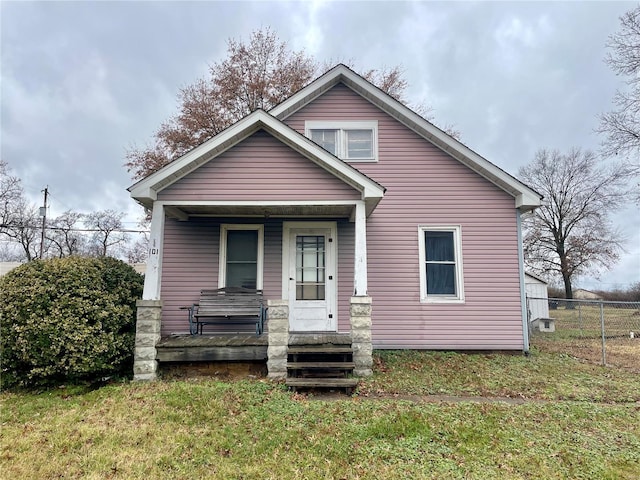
<point x="23" y="229"/>
<point x="570" y="234"/>
<point x="136" y="252"/>
<point x="108" y="231"/>
<point x="64" y="235"/>
<point x="254" y="75"/>
<point x="10" y="195"/>
<point x="621" y="126"/>
<point x="18" y="218"/>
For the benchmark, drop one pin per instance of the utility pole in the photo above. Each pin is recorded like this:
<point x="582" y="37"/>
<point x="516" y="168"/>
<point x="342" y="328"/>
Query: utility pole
<point x="43" y="214"/>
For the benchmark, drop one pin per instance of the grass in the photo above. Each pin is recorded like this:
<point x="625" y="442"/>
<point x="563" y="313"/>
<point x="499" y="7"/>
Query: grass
<point x="540" y="376"/>
<point x="579" y="333"/>
<point x="206" y="428"/>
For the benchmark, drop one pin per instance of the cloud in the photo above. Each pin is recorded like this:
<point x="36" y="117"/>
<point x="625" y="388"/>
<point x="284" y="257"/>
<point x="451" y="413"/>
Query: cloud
<point x="82" y="81"/>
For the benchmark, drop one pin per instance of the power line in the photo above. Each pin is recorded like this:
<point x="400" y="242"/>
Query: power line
<point x="119" y="230"/>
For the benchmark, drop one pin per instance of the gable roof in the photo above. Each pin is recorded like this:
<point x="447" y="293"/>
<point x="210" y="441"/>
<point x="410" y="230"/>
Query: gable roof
<point x="535" y="277"/>
<point x="146" y="190"/>
<point x="525" y="197"/>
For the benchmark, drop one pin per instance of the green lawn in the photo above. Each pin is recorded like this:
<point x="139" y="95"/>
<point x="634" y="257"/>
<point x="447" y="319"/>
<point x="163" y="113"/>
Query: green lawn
<point x="588" y="426"/>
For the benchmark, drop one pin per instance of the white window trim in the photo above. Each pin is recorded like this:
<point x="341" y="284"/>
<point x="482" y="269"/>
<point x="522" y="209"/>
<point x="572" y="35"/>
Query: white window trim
<point x="457" y="241"/>
<point x="222" y="262"/>
<point x="341" y="126"/>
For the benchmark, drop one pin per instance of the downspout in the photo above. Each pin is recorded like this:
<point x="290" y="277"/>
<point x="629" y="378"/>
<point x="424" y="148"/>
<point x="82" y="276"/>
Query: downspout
<point x="523" y="295"/>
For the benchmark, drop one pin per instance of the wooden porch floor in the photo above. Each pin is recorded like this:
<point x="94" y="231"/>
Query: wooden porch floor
<point x="233" y="347"/>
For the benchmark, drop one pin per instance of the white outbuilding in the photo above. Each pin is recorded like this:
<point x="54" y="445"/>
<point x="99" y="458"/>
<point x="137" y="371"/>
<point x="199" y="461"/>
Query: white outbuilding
<point x="538" y="302"/>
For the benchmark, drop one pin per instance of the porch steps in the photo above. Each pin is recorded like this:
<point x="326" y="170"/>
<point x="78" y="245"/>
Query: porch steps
<point x="321" y="366"/>
<point x="346" y="383"/>
<point x="349" y="366"/>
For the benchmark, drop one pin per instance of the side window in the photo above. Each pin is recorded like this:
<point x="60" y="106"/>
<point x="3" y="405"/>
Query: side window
<point x="354" y="141"/>
<point x="440" y="264"/>
<point x="241" y="256"/>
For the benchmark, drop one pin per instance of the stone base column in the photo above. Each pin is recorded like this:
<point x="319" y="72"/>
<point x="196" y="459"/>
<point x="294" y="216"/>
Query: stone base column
<point x="278" y="322"/>
<point x="361" y="335"/>
<point x="145" y="365"/>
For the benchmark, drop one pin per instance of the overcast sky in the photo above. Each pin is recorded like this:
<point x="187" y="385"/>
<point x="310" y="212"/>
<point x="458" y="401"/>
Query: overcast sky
<point x="84" y="81"/>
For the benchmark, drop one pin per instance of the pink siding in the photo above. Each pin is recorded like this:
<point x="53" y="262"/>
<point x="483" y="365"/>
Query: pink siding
<point x="259" y="168"/>
<point x="190" y="264"/>
<point x="427" y="187"/>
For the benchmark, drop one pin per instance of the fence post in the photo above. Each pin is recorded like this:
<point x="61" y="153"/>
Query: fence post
<point x="580" y="317"/>
<point x="604" y="346"/>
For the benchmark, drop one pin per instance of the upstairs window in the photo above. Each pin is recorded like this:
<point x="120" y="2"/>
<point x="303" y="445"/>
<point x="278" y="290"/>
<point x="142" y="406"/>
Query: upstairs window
<point x="351" y="141"/>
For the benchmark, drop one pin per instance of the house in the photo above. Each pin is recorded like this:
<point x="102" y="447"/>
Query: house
<point x="582" y="294"/>
<point x="354" y="216"/>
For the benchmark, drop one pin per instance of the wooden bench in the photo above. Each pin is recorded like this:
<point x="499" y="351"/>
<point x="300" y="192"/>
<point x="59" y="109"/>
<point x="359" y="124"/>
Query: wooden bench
<point x="230" y="306"/>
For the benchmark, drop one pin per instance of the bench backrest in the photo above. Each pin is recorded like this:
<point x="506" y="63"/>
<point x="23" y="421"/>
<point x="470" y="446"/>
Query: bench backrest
<point x="230" y="300"/>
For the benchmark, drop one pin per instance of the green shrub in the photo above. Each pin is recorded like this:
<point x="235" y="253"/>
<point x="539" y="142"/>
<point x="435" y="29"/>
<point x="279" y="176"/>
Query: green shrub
<point x="68" y="319"/>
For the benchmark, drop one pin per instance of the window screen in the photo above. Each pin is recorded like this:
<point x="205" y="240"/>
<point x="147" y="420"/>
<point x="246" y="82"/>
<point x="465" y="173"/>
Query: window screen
<point x="242" y="258"/>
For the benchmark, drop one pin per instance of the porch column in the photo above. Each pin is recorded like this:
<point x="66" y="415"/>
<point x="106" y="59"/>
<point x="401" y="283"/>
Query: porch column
<point x="278" y="324"/>
<point x="361" y="335"/>
<point x="360" y="254"/>
<point x="153" y="273"/>
<point x="149" y="309"/>
<point x="145" y="365"/>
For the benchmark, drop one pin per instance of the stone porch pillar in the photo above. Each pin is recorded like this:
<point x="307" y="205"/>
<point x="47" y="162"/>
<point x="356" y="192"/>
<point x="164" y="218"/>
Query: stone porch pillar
<point x="361" y="335"/>
<point x="149" y="314"/>
<point x="278" y="324"/>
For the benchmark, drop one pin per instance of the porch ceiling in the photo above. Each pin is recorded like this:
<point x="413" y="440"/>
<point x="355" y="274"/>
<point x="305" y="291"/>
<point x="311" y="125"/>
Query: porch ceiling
<point x="183" y="212"/>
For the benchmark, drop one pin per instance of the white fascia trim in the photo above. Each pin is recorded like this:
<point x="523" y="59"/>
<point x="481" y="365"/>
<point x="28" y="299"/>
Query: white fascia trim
<point x="259" y="203"/>
<point x="457" y="241"/>
<point x="194" y="158"/>
<point x="310" y="92"/>
<point x="148" y="187"/>
<point x="530" y="199"/>
<point x="324" y="159"/>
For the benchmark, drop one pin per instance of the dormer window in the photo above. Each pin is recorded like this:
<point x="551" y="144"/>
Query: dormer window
<point x="351" y="141"/>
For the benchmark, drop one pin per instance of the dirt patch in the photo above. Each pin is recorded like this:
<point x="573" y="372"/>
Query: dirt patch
<point x="220" y="370"/>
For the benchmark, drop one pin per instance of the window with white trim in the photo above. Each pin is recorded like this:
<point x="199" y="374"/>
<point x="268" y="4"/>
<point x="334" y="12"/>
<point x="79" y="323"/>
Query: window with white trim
<point x="355" y="141"/>
<point x="440" y="264"/>
<point x="241" y="256"/>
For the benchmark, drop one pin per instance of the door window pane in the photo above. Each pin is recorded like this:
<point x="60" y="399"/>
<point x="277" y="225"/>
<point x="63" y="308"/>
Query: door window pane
<point x="310" y="267"/>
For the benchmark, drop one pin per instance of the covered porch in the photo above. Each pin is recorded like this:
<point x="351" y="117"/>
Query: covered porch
<point x="260" y="187"/>
<point x="340" y="315"/>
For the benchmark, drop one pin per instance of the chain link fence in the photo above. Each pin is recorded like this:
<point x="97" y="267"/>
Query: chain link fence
<point x="597" y="331"/>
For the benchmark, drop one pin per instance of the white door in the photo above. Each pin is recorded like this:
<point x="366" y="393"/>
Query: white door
<point x="311" y="281"/>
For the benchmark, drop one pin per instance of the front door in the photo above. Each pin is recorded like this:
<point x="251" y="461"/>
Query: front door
<point x="311" y="280"/>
